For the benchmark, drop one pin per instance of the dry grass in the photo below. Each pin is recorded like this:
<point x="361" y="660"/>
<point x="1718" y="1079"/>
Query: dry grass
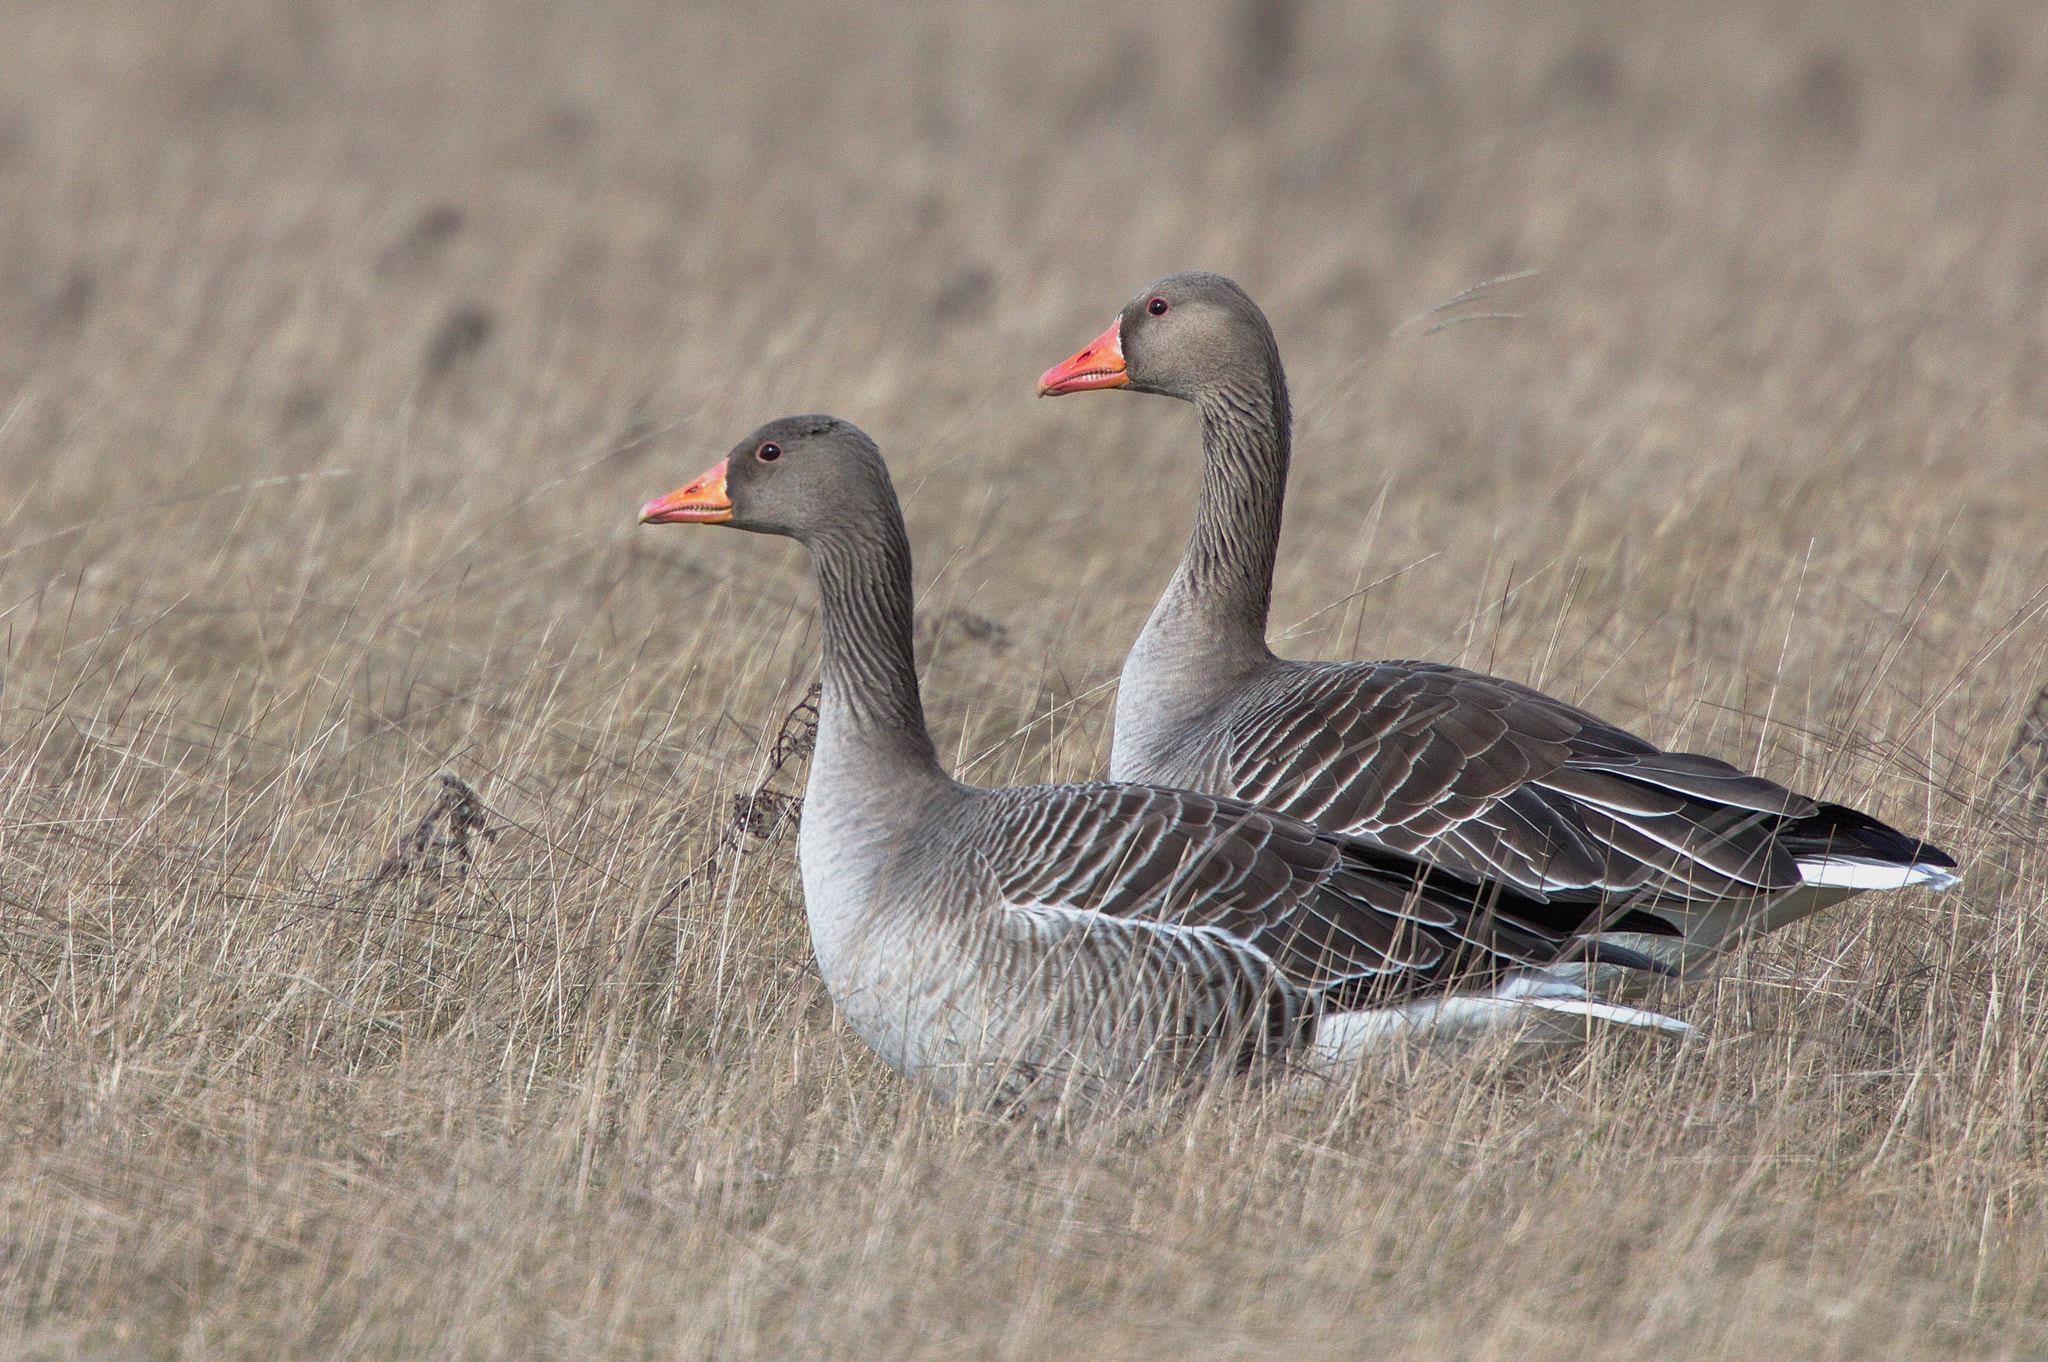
<point x="340" y="342"/>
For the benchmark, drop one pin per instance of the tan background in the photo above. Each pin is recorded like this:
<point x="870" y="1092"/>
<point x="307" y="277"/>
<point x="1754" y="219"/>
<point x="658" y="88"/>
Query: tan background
<point x="339" y="342"/>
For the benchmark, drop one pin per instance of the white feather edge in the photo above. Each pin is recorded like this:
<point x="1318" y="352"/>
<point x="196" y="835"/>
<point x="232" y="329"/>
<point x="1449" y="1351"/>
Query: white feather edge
<point x="1536" y="1007"/>
<point x="1848" y="872"/>
<point x="1612" y="1012"/>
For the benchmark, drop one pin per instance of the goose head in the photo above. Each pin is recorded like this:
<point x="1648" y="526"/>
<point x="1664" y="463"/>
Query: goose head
<point x="1188" y="336"/>
<point x="806" y="477"/>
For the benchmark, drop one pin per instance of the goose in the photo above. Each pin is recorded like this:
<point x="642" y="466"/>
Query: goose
<point x="1683" y="855"/>
<point x="1076" y="944"/>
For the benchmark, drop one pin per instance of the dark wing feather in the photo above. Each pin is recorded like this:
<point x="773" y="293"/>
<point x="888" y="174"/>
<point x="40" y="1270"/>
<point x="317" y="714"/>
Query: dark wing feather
<point x="1494" y="779"/>
<point x="1347" y="922"/>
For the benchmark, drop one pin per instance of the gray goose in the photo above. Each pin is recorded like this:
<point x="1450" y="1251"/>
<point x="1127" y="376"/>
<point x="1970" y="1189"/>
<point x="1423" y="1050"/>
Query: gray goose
<point x="1063" y="943"/>
<point x="1681" y="855"/>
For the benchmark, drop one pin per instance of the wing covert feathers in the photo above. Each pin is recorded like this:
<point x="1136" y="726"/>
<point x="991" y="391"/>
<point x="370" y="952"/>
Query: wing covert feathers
<point x="1338" y="922"/>
<point x="1491" y="779"/>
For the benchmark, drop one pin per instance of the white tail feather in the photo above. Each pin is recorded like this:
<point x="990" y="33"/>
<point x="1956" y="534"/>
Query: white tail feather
<point x="1537" y="1009"/>
<point x="1611" y="1012"/>
<point x="1848" y="872"/>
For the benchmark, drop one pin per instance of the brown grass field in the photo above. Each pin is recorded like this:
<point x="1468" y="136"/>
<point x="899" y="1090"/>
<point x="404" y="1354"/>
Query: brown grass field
<point x="339" y="343"/>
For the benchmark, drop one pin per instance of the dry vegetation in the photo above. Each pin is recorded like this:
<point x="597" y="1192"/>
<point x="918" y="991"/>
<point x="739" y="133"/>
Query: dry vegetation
<point x="340" y="342"/>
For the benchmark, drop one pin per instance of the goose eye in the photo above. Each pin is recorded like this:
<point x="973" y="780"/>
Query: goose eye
<point x="1157" y="307"/>
<point x="769" y="452"/>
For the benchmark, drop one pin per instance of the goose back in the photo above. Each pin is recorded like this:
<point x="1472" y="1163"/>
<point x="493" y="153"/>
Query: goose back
<point x="1481" y="775"/>
<point x="1072" y="944"/>
<point x="1090" y="943"/>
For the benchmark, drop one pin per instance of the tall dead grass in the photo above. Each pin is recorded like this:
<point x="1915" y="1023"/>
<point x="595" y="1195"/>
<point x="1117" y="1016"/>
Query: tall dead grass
<point x="341" y="341"/>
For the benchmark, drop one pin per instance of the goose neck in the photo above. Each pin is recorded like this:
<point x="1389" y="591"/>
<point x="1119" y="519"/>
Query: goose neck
<point x="1207" y="635"/>
<point x="871" y="720"/>
<point x="1225" y="580"/>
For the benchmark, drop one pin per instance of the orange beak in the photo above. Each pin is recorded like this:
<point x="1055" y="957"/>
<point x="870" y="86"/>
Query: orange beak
<point x="1101" y="365"/>
<point x="703" y="502"/>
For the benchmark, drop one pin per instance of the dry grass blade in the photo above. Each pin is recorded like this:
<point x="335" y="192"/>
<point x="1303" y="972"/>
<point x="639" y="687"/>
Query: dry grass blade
<point x="1476" y="293"/>
<point x="764" y="814"/>
<point x="440" y="841"/>
<point x="338" y="344"/>
<point x="2024" y="776"/>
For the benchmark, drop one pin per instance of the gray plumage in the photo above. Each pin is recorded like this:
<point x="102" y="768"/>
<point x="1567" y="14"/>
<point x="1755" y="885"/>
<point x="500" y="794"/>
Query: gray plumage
<point x="1080" y="943"/>
<point x="1680" y="854"/>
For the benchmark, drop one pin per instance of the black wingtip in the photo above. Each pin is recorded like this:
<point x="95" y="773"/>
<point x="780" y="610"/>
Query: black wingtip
<point x="1607" y="953"/>
<point x="1838" y="828"/>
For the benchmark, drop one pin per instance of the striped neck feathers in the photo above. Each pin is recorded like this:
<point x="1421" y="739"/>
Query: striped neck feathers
<point x="870" y="709"/>
<point x="1223" y="590"/>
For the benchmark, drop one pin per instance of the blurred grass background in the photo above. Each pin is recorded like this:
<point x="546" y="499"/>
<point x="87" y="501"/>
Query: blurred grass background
<point x="338" y="344"/>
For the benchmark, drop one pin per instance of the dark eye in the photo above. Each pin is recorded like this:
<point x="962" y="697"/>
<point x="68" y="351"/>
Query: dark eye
<point x="769" y="452"/>
<point x="1157" y="307"/>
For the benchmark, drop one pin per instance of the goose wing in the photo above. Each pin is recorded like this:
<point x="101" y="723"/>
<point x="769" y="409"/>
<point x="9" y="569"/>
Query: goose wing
<point x="1494" y="779"/>
<point x="1349" y="923"/>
